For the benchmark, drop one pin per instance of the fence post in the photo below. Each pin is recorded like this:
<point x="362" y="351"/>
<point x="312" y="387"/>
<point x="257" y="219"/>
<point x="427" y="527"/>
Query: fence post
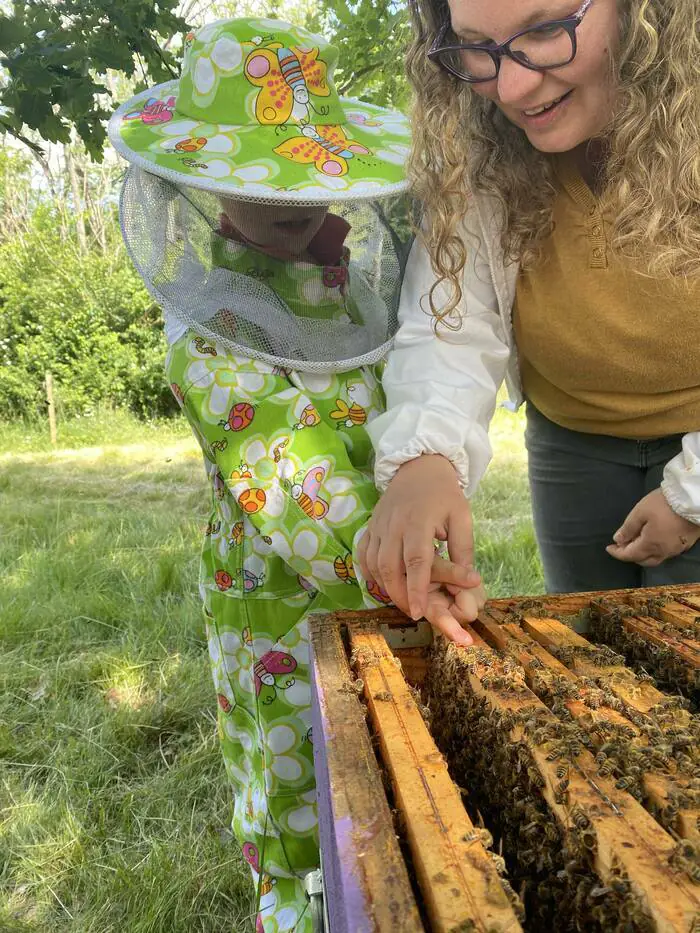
<point x="52" y="407"/>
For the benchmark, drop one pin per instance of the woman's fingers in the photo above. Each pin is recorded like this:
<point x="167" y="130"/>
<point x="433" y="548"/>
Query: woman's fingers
<point x="452" y="574"/>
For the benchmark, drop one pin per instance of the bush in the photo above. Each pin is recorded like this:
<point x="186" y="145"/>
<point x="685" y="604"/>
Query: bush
<point x="85" y="317"/>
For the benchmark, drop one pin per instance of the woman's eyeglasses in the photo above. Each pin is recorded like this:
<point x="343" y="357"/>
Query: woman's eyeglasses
<point x="547" y="45"/>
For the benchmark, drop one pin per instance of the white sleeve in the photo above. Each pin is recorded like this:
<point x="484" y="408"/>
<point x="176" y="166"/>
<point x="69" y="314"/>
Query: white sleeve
<point x="681" y="482"/>
<point x="441" y="390"/>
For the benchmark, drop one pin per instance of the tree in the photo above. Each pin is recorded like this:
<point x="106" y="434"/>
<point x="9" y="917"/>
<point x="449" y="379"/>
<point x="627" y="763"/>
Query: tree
<point x="372" y="36"/>
<point x="52" y="55"/>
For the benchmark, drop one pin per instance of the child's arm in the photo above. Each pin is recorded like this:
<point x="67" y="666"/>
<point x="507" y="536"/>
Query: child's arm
<point x="287" y="469"/>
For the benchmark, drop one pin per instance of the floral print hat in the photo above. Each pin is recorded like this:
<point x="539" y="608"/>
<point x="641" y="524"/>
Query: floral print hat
<point x="256" y="115"/>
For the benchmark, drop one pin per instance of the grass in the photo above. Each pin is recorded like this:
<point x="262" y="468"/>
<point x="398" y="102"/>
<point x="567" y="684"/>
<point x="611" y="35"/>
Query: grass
<point x="113" y="803"/>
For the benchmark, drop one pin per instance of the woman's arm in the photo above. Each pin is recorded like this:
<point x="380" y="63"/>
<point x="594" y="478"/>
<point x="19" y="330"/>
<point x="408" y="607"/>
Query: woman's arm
<point x="441" y="394"/>
<point x="441" y="390"/>
<point x="681" y="482"/>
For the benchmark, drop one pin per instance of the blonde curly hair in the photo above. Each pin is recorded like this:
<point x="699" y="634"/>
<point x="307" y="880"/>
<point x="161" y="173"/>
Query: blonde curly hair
<point x="652" y="173"/>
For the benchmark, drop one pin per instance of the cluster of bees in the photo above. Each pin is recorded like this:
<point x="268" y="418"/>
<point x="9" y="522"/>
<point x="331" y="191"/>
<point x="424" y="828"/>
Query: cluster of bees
<point x="668" y="670"/>
<point x="570" y="783"/>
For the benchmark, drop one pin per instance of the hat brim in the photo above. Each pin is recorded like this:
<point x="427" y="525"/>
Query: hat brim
<point x="361" y="159"/>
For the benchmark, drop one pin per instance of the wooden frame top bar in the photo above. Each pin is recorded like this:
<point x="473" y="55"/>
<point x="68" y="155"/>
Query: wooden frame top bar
<point x="366" y="884"/>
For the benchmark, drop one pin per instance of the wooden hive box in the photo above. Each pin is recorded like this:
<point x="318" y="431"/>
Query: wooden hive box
<point x="547" y="778"/>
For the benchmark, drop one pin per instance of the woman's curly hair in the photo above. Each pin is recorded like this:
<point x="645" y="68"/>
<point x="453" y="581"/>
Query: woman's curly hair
<point x="463" y="143"/>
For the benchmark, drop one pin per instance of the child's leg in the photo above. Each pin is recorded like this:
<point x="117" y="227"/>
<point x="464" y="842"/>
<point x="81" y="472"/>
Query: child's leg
<point x="264" y="726"/>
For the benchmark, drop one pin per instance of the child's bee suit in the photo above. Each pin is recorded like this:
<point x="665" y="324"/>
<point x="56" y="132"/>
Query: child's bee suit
<point x="281" y="428"/>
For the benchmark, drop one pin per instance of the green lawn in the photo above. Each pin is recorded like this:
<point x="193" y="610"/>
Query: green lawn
<point x="113" y="805"/>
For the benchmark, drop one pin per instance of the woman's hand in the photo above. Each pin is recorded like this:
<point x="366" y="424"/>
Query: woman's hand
<point x="423" y="501"/>
<point x="652" y="532"/>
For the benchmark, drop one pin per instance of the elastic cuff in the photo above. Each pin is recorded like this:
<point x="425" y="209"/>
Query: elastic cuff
<point x="678" y="503"/>
<point x="385" y="469"/>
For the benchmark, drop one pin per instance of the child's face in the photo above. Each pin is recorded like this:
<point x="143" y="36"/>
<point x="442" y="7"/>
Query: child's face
<point x="275" y="228"/>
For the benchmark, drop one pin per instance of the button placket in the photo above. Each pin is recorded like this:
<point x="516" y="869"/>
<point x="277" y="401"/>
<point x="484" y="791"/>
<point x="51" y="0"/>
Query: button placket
<point x="596" y="238"/>
<point x="594" y="224"/>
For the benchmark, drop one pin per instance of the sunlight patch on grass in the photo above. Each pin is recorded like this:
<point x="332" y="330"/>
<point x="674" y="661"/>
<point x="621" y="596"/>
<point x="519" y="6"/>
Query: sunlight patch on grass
<point x="128" y="690"/>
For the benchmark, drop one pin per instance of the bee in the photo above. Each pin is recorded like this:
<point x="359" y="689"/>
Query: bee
<point x="682" y="740"/>
<point x="580" y="820"/>
<point x="540" y="736"/>
<point x="692" y="869"/>
<point x="344" y="569"/>
<point x="625" y="782"/>
<point x="348" y="415"/>
<point x="535" y="777"/>
<point x="236" y="535"/>
<point x="266" y="883"/>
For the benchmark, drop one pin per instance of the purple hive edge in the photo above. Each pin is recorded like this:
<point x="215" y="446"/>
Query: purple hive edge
<point x="346" y="903"/>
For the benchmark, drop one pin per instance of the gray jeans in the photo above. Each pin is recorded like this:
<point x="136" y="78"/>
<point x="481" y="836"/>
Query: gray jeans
<point x="583" y="486"/>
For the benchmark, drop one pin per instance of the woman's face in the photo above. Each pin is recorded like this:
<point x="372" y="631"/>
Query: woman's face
<point x="518" y="91"/>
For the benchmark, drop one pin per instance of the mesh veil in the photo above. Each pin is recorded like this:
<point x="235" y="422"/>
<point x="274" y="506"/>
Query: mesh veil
<point x="169" y="230"/>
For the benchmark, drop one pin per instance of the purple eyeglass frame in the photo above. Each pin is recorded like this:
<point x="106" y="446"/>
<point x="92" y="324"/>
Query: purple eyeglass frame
<point x="569" y="23"/>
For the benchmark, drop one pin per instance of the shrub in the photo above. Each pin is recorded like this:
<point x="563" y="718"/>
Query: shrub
<point x="85" y="317"/>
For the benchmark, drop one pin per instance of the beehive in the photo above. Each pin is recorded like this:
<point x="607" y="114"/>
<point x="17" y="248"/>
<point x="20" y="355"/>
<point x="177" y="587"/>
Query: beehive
<point x="540" y="780"/>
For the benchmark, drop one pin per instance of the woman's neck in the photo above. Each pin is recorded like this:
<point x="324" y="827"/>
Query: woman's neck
<point x="591" y="159"/>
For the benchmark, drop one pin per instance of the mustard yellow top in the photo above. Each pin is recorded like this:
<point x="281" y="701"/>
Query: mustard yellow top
<point x="603" y="349"/>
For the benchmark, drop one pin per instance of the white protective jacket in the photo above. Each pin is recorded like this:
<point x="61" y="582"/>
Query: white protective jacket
<point x="441" y="391"/>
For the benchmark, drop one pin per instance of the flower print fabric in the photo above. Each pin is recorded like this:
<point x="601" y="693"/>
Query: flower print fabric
<point x="289" y="463"/>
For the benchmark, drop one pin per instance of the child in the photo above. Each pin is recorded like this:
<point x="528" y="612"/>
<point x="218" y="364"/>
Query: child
<point x="274" y="327"/>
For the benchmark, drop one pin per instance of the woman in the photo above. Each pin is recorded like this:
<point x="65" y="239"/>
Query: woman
<point x="557" y="153"/>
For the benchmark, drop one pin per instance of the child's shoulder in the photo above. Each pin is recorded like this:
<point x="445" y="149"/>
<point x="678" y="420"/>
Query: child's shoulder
<point x="198" y="359"/>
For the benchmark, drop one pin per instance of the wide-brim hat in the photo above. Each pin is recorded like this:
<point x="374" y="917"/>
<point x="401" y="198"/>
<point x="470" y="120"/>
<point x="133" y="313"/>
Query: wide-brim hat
<point x="255" y="115"/>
